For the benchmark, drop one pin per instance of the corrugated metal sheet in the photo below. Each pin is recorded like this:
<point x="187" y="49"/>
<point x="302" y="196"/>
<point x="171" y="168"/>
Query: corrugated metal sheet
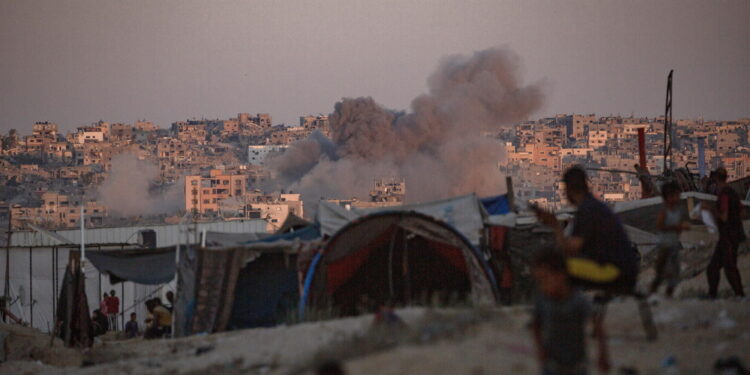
<point x="166" y="235"/>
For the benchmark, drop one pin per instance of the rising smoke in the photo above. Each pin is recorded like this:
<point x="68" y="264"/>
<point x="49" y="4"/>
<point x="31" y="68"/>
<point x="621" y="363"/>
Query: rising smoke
<point x="438" y="147"/>
<point x="129" y="189"/>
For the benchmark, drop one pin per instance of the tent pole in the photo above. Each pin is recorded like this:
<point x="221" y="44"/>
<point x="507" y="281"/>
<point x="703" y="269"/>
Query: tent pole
<point x="6" y="292"/>
<point x="31" y="290"/>
<point x="52" y="262"/>
<point x="83" y="240"/>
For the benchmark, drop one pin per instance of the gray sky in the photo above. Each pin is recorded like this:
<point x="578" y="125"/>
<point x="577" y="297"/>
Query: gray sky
<point x="75" y="62"/>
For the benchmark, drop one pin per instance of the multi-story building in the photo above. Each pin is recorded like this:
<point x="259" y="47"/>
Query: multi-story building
<point x="257" y="154"/>
<point x="579" y="124"/>
<point x="203" y="194"/>
<point x="389" y="190"/>
<point x="58" y="211"/>
<point x="597" y="135"/>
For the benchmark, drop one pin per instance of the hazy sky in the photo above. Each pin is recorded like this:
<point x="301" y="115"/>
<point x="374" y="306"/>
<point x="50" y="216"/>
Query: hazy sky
<point x="75" y="62"/>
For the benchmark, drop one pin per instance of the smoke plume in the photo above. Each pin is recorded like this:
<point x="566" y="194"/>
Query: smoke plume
<point x="128" y="189"/>
<point x="437" y="147"/>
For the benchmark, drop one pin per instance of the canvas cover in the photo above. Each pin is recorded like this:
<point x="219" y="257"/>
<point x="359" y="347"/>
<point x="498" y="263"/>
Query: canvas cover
<point x="147" y="266"/>
<point x="221" y="239"/>
<point x="465" y="213"/>
<point x="422" y="250"/>
<point x="267" y="292"/>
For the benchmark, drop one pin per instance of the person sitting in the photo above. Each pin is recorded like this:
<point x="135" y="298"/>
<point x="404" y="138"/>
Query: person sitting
<point x="161" y="322"/>
<point x="100" y="322"/>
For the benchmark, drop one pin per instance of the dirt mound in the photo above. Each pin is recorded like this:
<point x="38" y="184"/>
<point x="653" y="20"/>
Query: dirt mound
<point x="28" y="344"/>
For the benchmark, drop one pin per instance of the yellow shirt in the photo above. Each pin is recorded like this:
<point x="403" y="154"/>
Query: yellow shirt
<point x="162" y="316"/>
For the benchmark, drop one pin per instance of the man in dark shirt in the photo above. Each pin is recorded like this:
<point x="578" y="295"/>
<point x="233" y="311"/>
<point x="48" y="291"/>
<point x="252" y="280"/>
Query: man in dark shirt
<point x="600" y="255"/>
<point x="731" y="233"/>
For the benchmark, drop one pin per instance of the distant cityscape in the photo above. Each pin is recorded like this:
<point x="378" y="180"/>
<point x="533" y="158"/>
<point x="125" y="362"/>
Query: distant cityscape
<point x="48" y="178"/>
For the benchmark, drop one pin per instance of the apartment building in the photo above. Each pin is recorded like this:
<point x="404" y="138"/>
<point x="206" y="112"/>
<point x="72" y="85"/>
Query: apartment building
<point x="597" y="135"/>
<point x="203" y="194"/>
<point x="58" y="211"/>
<point x="257" y="154"/>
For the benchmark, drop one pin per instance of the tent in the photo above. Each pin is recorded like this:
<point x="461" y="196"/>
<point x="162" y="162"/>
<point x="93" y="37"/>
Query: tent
<point x="397" y="257"/>
<point x="142" y="266"/>
<point x="464" y="213"/>
<point x="250" y="284"/>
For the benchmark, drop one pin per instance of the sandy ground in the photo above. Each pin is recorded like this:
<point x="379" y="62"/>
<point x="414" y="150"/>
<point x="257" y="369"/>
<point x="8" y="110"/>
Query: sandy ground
<point x="462" y="341"/>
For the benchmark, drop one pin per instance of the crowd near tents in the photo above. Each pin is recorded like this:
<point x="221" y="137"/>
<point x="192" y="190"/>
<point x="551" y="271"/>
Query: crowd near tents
<point x="349" y="261"/>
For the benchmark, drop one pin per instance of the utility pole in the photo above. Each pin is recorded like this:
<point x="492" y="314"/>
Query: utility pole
<point x="6" y="292"/>
<point x="668" y="123"/>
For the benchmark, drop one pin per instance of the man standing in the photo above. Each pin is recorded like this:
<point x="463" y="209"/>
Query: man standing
<point x="599" y="252"/>
<point x="731" y="233"/>
<point x="113" y="307"/>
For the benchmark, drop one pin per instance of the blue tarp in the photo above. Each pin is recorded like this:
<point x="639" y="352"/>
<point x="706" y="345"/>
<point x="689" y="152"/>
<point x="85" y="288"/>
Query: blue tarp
<point x="305" y="234"/>
<point x="266" y="293"/>
<point x="497" y="205"/>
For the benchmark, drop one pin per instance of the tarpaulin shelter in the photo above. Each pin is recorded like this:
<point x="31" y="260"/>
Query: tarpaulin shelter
<point x="397" y="257"/>
<point x="465" y="214"/>
<point x="252" y="284"/>
<point x="142" y="266"/>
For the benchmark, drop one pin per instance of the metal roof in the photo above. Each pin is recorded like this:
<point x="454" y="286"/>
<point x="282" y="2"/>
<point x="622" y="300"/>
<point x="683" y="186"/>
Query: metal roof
<point x="166" y="235"/>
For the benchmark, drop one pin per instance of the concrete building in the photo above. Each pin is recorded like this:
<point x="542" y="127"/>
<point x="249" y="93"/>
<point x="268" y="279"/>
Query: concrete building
<point x="256" y="154"/>
<point x="597" y="135"/>
<point x="86" y="134"/>
<point x="579" y="124"/>
<point x="203" y="194"/>
<point x="58" y="211"/>
<point x="275" y="212"/>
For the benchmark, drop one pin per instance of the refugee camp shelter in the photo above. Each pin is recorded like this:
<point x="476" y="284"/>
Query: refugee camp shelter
<point x="397" y="258"/>
<point x="38" y="260"/>
<point x="245" y="284"/>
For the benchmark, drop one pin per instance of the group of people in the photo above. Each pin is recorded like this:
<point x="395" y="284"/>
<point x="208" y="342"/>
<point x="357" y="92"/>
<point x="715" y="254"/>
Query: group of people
<point x="105" y="317"/>
<point x="157" y="324"/>
<point x="595" y="253"/>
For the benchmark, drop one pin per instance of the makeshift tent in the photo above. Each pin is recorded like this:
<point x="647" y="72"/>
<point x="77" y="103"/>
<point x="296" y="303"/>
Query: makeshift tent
<point x="221" y="239"/>
<point x="398" y="258"/>
<point x="254" y="284"/>
<point x="465" y="213"/>
<point x="293" y="223"/>
<point x="142" y="266"/>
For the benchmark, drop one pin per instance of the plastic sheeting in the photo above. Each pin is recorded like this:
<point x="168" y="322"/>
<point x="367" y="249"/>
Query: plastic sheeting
<point x="149" y="267"/>
<point x="497" y="205"/>
<point x="465" y="213"/>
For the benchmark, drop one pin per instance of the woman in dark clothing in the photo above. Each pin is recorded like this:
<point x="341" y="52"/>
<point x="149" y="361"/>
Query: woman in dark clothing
<point x="100" y="323"/>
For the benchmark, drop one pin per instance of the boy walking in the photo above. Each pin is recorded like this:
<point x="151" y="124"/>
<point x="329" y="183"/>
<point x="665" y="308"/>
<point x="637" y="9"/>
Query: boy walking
<point x="559" y="321"/>
<point x="670" y="224"/>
